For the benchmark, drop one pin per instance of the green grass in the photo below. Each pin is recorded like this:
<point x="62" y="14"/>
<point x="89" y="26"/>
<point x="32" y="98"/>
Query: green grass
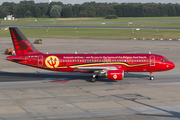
<point x="99" y="33"/>
<point x="95" y="33"/>
<point x="155" y="24"/>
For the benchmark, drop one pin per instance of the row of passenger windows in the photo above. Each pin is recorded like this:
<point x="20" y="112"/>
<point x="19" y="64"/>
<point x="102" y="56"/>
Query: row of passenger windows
<point x="102" y="60"/>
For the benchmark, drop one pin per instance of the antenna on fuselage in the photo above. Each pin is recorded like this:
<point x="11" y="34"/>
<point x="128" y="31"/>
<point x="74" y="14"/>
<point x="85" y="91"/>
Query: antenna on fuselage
<point x="149" y="52"/>
<point x="75" y="52"/>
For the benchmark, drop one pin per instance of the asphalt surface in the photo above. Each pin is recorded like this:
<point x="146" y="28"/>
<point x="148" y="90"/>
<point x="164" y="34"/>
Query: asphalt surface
<point x="31" y="93"/>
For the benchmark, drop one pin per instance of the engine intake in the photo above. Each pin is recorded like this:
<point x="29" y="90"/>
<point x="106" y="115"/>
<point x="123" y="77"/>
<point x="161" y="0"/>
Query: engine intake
<point x="115" y="74"/>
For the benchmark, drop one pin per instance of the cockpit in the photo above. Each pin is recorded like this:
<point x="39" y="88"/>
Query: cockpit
<point x="163" y="60"/>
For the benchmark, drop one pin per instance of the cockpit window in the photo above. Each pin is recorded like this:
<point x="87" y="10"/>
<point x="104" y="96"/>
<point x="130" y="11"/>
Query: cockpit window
<point x="163" y="60"/>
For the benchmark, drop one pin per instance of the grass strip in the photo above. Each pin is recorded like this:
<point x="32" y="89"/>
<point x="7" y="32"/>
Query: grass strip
<point x="95" y="33"/>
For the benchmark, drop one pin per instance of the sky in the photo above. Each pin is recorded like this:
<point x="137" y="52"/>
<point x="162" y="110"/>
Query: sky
<point x="108" y="1"/>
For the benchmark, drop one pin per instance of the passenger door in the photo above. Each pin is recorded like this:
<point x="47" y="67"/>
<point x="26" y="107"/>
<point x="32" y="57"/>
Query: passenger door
<point x="152" y="60"/>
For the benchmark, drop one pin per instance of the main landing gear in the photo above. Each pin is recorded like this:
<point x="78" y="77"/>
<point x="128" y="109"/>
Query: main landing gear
<point x="151" y="76"/>
<point x="94" y="78"/>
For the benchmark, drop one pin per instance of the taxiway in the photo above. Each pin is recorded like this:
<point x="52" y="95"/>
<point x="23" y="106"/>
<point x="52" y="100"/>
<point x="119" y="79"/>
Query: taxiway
<point x="31" y="93"/>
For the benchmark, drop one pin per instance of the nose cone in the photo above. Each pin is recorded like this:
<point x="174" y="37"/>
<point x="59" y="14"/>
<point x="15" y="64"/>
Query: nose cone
<point x="170" y="65"/>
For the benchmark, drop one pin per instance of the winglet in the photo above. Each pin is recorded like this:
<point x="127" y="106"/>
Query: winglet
<point x="21" y="44"/>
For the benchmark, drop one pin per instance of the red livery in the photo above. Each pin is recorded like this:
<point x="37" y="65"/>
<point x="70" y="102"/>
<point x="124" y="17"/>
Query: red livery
<point x="111" y="66"/>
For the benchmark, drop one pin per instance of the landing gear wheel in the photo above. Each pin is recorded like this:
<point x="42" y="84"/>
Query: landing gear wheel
<point x="94" y="78"/>
<point x="152" y="78"/>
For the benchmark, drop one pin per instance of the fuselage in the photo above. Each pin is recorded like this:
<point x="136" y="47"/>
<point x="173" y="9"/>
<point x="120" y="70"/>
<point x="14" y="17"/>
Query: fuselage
<point x="69" y="62"/>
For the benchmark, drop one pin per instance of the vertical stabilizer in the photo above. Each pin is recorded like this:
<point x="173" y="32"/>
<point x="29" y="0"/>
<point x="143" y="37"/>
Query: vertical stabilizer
<point x="21" y="44"/>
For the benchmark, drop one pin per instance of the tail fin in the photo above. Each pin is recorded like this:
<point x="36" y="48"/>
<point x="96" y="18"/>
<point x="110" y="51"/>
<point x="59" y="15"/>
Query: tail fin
<point x="21" y="43"/>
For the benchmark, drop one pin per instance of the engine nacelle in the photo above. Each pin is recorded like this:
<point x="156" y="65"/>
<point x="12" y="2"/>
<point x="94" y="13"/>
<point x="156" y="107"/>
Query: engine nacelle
<point x="115" y="74"/>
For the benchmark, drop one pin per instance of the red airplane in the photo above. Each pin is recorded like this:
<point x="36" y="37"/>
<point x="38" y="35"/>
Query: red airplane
<point x="111" y="66"/>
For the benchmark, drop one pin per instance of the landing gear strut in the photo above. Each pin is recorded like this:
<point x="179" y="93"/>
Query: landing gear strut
<point x="94" y="78"/>
<point x="151" y="76"/>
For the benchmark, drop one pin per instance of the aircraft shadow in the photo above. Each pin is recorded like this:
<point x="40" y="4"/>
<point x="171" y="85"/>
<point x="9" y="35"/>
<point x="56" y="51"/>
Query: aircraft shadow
<point x="136" y="75"/>
<point x="171" y="111"/>
<point x="11" y="76"/>
<point x="173" y="114"/>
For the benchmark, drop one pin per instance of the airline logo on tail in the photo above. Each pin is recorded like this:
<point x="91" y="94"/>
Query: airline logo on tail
<point x="21" y="44"/>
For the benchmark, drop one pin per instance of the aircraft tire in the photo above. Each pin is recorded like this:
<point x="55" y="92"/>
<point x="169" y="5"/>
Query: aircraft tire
<point x="96" y="76"/>
<point x="152" y="78"/>
<point x="93" y="79"/>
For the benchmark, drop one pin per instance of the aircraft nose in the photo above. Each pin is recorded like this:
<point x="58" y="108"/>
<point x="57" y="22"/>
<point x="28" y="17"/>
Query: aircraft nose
<point x="171" y="65"/>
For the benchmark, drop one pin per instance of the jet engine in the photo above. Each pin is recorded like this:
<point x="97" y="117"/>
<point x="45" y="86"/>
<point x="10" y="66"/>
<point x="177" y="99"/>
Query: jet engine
<point x="115" y="74"/>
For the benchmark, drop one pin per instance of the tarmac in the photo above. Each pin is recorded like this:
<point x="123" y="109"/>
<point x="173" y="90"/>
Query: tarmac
<point x="28" y="93"/>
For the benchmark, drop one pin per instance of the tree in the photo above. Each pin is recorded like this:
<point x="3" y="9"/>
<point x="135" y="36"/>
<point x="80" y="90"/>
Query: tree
<point x="21" y="11"/>
<point x="27" y="8"/>
<point x="75" y="10"/>
<point x="27" y="2"/>
<point x="2" y="13"/>
<point x="28" y="14"/>
<point x="67" y="12"/>
<point x="44" y="11"/>
<point x="55" y="11"/>
<point x="56" y="3"/>
<point x="37" y="12"/>
<point x="8" y="3"/>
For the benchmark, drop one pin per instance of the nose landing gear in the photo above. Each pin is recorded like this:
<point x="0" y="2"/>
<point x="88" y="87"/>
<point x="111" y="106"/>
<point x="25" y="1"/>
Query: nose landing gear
<point x="151" y="76"/>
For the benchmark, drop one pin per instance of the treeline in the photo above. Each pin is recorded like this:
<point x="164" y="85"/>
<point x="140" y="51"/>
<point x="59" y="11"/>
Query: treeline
<point x="88" y="9"/>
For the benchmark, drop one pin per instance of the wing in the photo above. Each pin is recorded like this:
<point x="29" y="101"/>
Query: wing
<point x="94" y="69"/>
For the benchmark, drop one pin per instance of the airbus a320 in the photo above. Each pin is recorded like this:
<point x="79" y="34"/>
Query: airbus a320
<point x="111" y="66"/>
